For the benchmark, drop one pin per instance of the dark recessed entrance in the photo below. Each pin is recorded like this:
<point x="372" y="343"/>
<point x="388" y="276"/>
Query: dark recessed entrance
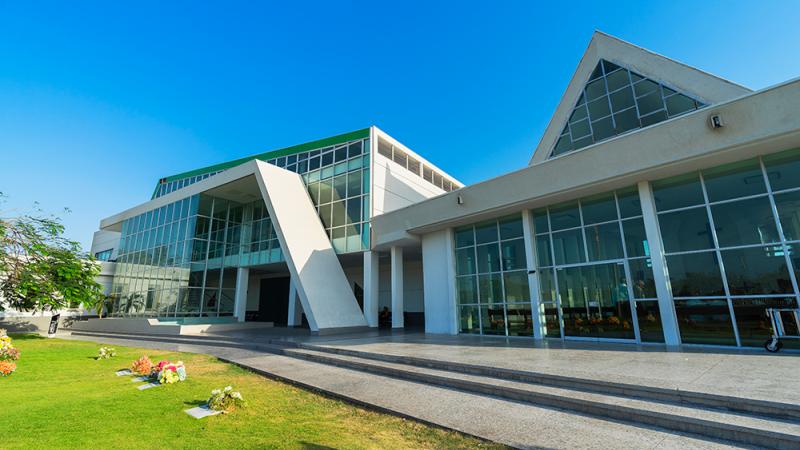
<point x="274" y="301"/>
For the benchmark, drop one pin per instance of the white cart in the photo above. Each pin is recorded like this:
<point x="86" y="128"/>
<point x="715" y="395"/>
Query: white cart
<point x="785" y="325"/>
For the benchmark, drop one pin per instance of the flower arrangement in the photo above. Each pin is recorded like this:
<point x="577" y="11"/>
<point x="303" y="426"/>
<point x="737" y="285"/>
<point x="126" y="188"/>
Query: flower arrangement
<point x="142" y="366"/>
<point x="166" y="372"/>
<point x="225" y="400"/>
<point x="6" y="367"/>
<point x="7" y="350"/>
<point x="106" y="353"/>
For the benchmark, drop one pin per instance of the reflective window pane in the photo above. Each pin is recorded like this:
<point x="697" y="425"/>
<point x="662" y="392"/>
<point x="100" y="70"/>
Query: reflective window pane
<point x="783" y="169"/>
<point x="603" y="242"/>
<point x="635" y="238"/>
<point x="543" y="254"/>
<point x="568" y="247"/>
<point x="644" y="285"/>
<point x="751" y="318"/>
<point x="759" y="270"/>
<point x="678" y="192"/>
<point x="565" y="216"/>
<point x="486" y="232"/>
<point x="686" y="230"/>
<point x="465" y="261"/>
<point x="516" y="286"/>
<point x="649" y="317"/>
<point x="520" y="320"/>
<point x="705" y="322"/>
<point x="540" y="221"/>
<point x="513" y="254"/>
<point x="464" y="236"/>
<point x="547" y="285"/>
<point x="740" y="179"/>
<point x="490" y="288"/>
<point x="788" y="205"/>
<point x="599" y="209"/>
<point x="695" y="275"/>
<point x="745" y="222"/>
<point x="467" y="289"/>
<point x="493" y="321"/>
<point x="510" y="228"/>
<point x="488" y="258"/>
<point x="468" y="320"/>
<point x="629" y="203"/>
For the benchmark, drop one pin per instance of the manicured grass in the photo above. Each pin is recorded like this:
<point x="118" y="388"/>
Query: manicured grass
<point x="60" y="397"/>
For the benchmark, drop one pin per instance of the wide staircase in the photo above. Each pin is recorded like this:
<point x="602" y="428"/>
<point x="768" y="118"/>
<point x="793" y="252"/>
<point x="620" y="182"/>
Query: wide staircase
<point x="740" y="421"/>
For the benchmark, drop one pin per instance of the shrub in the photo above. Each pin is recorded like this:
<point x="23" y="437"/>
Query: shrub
<point x="142" y="366"/>
<point x="225" y="400"/>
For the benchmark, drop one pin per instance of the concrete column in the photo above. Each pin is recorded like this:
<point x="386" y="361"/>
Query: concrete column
<point x="666" y="306"/>
<point x="295" y="317"/>
<point x="371" y="280"/>
<point x="397" y="287"/>
<point x="533" y="277"/>
<point x="240" y="300"/>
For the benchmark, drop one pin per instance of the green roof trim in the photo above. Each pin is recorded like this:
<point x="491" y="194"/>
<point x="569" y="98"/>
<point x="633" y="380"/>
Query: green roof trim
<point x="333" y="140"/>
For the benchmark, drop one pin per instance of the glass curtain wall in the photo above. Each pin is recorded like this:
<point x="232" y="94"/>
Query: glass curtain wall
<point x="731" y="236"/>
<point x="492" y="279"/>
<point x="594" y="269"/>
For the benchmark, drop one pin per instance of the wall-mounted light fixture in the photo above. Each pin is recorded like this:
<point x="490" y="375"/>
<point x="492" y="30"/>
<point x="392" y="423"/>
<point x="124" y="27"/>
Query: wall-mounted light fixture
<point x="459" y="200"/>
<point x="715" y="121"/>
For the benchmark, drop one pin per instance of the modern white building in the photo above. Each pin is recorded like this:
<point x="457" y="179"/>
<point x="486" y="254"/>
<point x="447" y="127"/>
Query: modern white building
<point x="662" y="205"/>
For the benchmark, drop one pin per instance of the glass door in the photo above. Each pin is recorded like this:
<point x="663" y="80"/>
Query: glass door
<point x="595" y="301"/>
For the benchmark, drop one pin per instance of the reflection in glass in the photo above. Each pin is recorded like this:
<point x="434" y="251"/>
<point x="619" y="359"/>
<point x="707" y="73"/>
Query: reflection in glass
<point x="745" y="222"/>
<point x="649" y="317"/>
<point x="467" y="289"/>
<point x="788" y="205"/>
<point x="705" y="322"/>
<point x="757" y="270"/>
<point x="595" y="301"/>
<point x="493" y="319"/>
<point x="635" y="238"/>
<point x="488" y="258"/>
<point x="552" y="328"/>
<point x="740" y="179"/>
<point x="686" y="230"/>
<point x="678" y="192"/>
<point x="520" y="321"/>
<point x="695" y="275"/>
<point x="603" y="242"/>
<point x="752" y="321"/>
<point x="644" y="284"/>
<point x="568" y="247"/>
<point x="468" y="320"/>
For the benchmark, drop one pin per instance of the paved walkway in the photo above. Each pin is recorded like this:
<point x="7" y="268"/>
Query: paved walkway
<point x="515" y="424"/>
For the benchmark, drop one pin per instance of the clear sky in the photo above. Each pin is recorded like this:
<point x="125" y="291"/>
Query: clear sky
<point x="100" y="100"/>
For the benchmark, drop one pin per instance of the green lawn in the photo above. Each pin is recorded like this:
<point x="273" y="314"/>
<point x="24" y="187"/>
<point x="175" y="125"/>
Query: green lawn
<point x="60" y="397"/>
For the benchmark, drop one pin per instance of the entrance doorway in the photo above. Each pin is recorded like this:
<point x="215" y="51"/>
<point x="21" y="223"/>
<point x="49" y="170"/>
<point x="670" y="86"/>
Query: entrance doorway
<point x="273" y="304"/>
<point x="595" y="301"/>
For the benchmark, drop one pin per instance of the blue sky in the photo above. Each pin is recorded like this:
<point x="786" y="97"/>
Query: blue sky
<point x="99" y="100"/>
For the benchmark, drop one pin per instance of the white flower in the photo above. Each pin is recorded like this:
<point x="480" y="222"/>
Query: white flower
<point x="228" y="388"/>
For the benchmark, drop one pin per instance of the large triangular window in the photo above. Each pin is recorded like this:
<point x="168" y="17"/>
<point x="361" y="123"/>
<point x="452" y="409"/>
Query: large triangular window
<point x="616" y="100"/>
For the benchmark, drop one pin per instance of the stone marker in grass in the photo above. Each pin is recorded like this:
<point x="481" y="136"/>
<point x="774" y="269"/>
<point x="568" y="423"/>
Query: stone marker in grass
<point x="199" y="412"/>
<point x="147" y="386"/>
<point x="124" y="372"/>
<point x="139" y="379"/>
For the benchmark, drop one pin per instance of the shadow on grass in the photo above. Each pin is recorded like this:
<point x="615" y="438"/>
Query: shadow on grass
<point x="25" y="336"/>
<point x="195" y="403"/>
<point x="313" y="446"/>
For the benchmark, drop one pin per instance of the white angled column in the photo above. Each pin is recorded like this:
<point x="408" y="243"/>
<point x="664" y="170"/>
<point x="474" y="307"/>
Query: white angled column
<point x="533" y="277"/>
<point x="371" y="280"/>
<point x="295" y="308"/>
<point x="666" y="306"/>
<point x="240" y="300"/>
<point x="397" y="287"/>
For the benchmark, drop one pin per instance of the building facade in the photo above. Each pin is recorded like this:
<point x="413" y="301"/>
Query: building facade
<point x="662" y="205"/>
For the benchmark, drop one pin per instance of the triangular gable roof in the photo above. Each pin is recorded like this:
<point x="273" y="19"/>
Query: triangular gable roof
<point x="694" y="83"/>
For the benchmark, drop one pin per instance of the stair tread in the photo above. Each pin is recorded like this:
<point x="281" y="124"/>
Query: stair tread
<point x="718" y="416"/>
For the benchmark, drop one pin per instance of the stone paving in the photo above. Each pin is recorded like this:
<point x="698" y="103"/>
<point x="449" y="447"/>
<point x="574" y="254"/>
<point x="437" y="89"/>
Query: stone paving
<point x="516" y="424"/>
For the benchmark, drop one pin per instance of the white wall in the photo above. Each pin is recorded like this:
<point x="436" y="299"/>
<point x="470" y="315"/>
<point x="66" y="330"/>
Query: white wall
<point x="439" y="282"/>
<point x="394" y="187"/>
<point x="104" y="240"/>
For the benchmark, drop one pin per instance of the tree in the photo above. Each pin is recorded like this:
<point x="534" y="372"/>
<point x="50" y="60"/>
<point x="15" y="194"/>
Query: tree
<point x="40" y="269"/>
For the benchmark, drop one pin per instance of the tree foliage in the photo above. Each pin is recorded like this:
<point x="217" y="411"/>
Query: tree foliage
<point x="40" y="269"/>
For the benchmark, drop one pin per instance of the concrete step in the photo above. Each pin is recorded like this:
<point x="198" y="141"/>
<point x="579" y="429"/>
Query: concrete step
<point x="777" y="410"/>
<point x="271" y="346"/>
<point x="747" y="429"/>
